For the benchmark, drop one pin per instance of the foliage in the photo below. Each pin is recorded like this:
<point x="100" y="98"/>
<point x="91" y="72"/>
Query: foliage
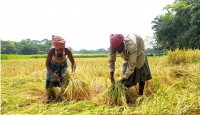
<point x="179" y="28"/>
<point x="25" y="47"/>
<point x="98" y="51"/>
<point x="28" y="46"/>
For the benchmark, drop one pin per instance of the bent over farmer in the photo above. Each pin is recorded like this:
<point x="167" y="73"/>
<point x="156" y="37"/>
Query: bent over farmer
<point x="135" y="64"/>
<point x="56" y="64"/>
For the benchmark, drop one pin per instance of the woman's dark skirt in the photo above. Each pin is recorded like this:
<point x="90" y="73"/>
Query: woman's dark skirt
<point x="142" y="74"/>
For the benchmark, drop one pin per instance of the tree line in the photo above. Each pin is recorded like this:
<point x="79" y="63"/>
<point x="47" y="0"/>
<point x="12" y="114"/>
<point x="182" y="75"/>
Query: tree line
<point x="28" y="46"/>
<point x="179" y="27"/>
<point x="42" y="46"/>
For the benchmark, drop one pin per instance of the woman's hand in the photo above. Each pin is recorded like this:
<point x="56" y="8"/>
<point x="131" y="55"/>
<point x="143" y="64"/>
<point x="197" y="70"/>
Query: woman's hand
<point x="73" y="68"/>
<point x="55" y="78"/>
<point x="123" y="80"/>
<point x="112" y="77"/>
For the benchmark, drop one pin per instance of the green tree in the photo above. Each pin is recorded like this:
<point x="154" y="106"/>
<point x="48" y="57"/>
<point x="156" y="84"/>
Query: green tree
<point x="9" y="47"/>
<point x="179" y="28"/>
<point x="26" y="46"/>
<point x="31" y="49"/>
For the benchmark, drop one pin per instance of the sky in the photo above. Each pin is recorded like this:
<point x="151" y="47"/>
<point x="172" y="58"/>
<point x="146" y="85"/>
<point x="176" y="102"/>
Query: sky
<point x="84" y="24"/>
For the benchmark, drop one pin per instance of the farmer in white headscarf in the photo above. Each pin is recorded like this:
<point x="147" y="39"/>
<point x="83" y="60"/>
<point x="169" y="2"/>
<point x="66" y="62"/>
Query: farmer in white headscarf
<point x="56" y="64"/>
<point x="135" y="64"/>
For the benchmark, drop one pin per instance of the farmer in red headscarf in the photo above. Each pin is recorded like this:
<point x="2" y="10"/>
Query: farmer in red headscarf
<point x="56" y="64"/>
<point x="135" y="64"/>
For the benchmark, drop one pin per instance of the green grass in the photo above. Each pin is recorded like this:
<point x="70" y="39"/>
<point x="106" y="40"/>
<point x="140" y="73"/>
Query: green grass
<point x="89" y="55"/>
<point x="15" y="56"/>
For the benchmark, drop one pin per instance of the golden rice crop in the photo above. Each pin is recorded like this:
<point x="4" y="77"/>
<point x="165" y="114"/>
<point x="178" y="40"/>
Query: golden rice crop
<point x="175" y="87"/>
<point x="183" y="56"/>
<point x="116" y="94"/>
<point x="77" y="90"/>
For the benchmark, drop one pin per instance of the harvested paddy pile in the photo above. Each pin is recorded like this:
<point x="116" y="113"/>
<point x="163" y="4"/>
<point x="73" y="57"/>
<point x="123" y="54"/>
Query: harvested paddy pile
<point x="179" y="72"/>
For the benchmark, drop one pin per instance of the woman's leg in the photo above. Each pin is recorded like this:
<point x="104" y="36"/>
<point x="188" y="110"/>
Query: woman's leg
<point x="141" y="87"/>
<point x="49" y="83"/>
<point x="64" y="80"/>
<point x="50" y="92"/>
<point x="146" y="75"/>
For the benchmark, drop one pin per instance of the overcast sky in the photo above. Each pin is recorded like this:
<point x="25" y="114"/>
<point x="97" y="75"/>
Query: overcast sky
<point x="85" y="24"/>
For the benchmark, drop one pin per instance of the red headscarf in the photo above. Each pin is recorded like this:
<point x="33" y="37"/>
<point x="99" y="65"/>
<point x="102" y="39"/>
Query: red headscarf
<point x="58" y="42"/>
<point x="116" y="40"/>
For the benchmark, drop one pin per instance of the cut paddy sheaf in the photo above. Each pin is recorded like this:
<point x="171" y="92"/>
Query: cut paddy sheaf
<point x="77" y="90"/>
<point x="113" y="94"/>
<point x="116" y="94"/>
<point x="73" y="89"/>
<point x="180" y="72"/>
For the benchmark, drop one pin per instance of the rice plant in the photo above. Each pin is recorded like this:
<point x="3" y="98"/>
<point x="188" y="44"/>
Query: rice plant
<point x="183" y="56"/>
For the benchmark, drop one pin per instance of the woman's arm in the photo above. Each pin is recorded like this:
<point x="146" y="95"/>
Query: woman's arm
<point x="48" y="61"/>
<point x="111" y="63"/>
<point x="71" y="58"/>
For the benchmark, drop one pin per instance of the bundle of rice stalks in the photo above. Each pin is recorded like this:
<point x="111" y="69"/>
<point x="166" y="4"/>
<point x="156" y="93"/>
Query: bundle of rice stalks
<point x="77" y="90"/>
<point x="116" y="94"/>
<point x="58" y="93"/>
<point x="179" y="72"/>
